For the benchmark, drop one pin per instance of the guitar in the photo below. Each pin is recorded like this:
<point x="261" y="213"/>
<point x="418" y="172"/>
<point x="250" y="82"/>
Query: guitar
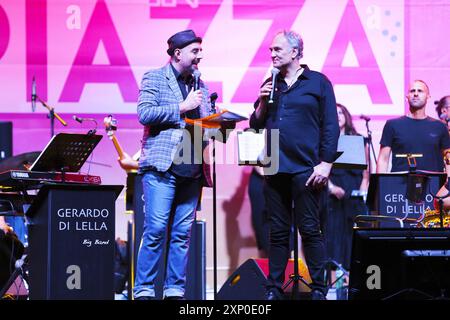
<point x="111" y="128"/>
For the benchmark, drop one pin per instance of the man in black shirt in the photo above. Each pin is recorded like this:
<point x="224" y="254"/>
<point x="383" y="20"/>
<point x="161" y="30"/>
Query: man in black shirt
<point x="415" y="133"/>
<point x="304" y="112"/>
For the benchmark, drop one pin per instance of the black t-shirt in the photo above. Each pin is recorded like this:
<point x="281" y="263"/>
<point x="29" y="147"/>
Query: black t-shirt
<point x="428" y="137"/>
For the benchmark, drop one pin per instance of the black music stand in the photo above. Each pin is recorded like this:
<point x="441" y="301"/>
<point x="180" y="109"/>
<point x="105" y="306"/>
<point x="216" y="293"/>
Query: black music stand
<point x="215" y="121"/>
<point x="351" y="153"/>
<point x="413" y="185"/>
<point x="66" y="152"/>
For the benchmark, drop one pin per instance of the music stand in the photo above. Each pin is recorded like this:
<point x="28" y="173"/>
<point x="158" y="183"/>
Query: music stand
<point x="351" y="153"/>
<point x="417" y="184"/>
<point x="66" y="152"/>
<point x="215" y="121"/>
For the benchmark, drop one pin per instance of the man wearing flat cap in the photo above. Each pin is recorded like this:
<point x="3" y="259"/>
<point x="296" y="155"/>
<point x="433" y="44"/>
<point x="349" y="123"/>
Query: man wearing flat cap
<point x="171" y="188"/>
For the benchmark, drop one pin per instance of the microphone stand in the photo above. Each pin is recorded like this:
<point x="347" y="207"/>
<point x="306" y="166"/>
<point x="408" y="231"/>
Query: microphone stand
<point x="52" y="115"/>
<point x="213" y="109"/>
<point x="371" y="147"/>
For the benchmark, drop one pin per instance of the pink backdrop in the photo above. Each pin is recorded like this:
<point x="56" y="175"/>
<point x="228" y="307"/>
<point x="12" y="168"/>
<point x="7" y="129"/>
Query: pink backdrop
<point x="88" y="57"/>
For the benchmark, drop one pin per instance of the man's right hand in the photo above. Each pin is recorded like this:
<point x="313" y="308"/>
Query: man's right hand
<point x="264" y="91"/>
<point x="192" y="101"/>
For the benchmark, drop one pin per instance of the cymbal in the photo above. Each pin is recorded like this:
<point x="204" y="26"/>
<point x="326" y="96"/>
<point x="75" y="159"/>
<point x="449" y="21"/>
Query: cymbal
<point x="19" y="162"/>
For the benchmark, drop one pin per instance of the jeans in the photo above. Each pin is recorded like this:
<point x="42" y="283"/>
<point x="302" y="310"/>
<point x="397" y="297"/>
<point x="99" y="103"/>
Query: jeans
<point x="281" y="191"/>
<point x="170" y="205"/>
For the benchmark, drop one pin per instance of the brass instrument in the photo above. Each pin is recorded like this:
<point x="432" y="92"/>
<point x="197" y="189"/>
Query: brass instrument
<point x="432" y="219"/>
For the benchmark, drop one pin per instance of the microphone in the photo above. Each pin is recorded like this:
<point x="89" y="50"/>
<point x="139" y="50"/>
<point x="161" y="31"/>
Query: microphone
<point x="444" y="117"/>
<point x="213" y="97"/>
<point x="33" y="95"/>
<point x="196" y="75"/>
<point x="274" y="72"/>
<point x="80" y="120"/>
<point x="363" y="117"/>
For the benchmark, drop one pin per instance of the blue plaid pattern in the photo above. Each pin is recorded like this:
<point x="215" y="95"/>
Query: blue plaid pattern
<point x="158" y="110"/>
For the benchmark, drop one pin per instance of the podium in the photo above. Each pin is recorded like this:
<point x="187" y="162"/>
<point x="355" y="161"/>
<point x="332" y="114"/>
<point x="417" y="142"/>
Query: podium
<point x="72" y="241"/>
<point x="387" y="194"/>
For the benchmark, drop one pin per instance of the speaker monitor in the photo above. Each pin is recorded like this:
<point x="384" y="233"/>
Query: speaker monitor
<point x="5" y="139"/>
<point x="248" y="282"/>
<point x="400" y="264"/>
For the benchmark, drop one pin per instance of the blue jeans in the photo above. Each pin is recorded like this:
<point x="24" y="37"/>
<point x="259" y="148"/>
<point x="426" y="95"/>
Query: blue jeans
<point x="168" y="199"/>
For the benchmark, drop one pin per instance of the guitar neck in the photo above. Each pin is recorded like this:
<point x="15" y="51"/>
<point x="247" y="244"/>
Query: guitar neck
<point x="118" y="147"/>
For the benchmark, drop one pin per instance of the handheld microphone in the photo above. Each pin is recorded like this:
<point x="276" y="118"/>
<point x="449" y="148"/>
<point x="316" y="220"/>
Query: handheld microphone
<point x="363" y="117"/>
<point x="196" y="75"/>
<point x="274" y="72"/>
<point x="33" y="95"/>
<point x="444" y="117"/>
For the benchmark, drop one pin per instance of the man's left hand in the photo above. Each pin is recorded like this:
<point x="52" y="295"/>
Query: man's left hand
<point x="319" y="177"/>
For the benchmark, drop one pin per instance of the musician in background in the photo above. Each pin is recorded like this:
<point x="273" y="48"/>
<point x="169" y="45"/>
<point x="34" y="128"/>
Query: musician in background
<point x="342" y="208"/>
<point x="128" y="163"/>
<point x="442" y="109"/>
<point x="415" y="133"/>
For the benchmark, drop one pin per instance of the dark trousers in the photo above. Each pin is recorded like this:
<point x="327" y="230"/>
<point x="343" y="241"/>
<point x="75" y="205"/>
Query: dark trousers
<point x="283" y="190"/>
<point x="260" y="214"/>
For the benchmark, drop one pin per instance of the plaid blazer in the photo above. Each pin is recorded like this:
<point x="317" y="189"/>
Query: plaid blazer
<point x="158" y="110"/>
